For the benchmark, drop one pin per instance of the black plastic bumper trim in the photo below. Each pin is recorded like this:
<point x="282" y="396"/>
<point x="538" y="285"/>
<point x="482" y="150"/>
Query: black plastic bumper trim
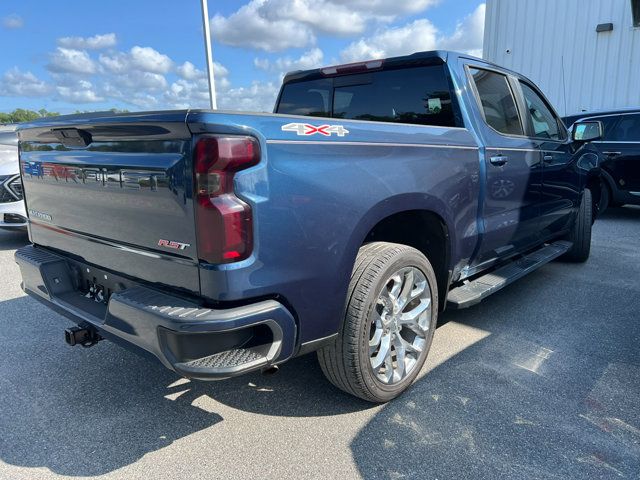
<point x="144" y="317"/>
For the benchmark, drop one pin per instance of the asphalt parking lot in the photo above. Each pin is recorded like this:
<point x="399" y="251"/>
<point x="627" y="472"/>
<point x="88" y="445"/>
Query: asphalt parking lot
<point x="542" y="380"/>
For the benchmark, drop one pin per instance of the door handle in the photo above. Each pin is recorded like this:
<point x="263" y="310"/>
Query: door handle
<point x="548" y="158"/>
<point x="498" y="160"/>
<point x="612" y="154"/>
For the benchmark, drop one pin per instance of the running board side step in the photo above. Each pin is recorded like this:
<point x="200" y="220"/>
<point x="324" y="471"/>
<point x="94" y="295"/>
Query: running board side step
<point x="475" y="291"/>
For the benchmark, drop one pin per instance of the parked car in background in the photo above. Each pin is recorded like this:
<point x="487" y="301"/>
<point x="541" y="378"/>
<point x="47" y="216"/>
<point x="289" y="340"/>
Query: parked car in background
<point x="12" y="209"/>
<point x="620" y="153"/>
<point x="378" y="193"/>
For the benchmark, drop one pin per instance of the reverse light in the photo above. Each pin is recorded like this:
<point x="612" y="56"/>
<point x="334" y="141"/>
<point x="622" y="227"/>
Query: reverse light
<point x="224" y="223"/>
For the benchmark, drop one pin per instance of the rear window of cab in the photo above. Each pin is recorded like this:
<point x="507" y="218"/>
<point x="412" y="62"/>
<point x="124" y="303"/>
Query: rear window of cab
<point x="418" y="95"/>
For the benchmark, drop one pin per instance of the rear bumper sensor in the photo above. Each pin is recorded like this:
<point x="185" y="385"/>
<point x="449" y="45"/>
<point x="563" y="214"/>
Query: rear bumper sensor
<point x="194" y="341"/>
<point x="478" y="289"/>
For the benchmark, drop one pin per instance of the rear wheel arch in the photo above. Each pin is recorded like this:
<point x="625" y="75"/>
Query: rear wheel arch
<point x="424" y="230"/>
<point x="607" y="177"/>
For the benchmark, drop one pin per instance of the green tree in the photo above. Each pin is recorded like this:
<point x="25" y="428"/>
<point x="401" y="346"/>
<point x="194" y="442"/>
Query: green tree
<point x="23" y="115"/>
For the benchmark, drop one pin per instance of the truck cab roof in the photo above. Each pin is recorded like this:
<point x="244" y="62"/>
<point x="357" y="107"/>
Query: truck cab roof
<point x="418" y="58"/>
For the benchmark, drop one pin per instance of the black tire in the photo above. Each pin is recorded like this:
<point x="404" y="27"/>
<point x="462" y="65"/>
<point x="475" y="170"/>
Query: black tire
<point x="346" y="363"/>
<point x="605" y="197"/>
<point x="580" y="236"/>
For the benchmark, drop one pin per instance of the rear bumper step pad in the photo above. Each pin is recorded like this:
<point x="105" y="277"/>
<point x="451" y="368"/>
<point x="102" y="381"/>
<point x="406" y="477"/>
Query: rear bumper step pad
<point x="475" y="291"/>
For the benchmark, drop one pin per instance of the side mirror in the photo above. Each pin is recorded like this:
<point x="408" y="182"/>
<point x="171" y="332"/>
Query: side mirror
<point x="587" y="131"/>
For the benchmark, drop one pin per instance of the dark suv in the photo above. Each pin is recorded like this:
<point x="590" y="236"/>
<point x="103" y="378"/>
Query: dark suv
<point x="620" y="150"/>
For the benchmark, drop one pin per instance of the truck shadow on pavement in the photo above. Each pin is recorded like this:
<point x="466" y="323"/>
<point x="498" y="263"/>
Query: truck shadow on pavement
<point x="87" y="412"/>
<point x="81" y="412"/>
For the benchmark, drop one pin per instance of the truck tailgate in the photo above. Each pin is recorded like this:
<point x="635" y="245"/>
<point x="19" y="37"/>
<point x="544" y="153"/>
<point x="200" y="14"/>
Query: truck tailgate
<point x="115" y="191"/>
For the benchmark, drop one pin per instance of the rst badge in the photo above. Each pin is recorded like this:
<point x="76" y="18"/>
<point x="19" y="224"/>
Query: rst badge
<point x="304" y="129"/>
<point x="173" y="245"/>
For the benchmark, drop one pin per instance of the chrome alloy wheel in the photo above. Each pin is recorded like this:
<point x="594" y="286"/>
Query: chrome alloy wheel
<point x="400" y="321"/>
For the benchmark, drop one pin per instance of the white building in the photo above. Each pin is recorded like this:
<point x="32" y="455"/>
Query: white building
<point x="583" y="54"/>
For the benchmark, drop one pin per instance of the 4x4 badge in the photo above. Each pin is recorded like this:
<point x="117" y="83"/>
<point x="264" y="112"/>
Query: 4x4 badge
<point x="304" y="129"/>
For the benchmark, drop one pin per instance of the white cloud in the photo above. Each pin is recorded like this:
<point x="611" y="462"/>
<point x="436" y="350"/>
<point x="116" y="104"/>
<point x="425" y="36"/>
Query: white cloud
<point x="192" y="89"/>
<point x="117" y="62"/>
<point x="320" y="15"/>
<point x="390" y="42"/>
<point x="275" y="25"/>
<point x="12" y="21"/>
<point x="389" y="7"/>
<point x="16" y="83"/>
<point x="150" y="60"/>
<point x="68" y="60"/>
<point x="82" y="92"/>
<point x="308" y="60"/>
<point x="259" y="97"/>
<point x="141" y="78"/>
<point x="136" y="80"/>
<point x="419" y="35"/>
<point x="96" y="42"/>
<point x="144" y="59"/>
<point x="188" y="71"/>
<point x="248" y="28"/>
<point x="468" y="35"/>
<point x="188" y="94"/>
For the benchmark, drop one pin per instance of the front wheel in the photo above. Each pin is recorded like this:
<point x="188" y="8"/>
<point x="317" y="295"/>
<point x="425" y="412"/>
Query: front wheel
<point x="580" y="235"/>
<point x="390" y="319"/>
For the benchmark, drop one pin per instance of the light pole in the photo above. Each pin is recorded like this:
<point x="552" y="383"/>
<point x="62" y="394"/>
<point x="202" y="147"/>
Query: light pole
<point x="207" y="49"/>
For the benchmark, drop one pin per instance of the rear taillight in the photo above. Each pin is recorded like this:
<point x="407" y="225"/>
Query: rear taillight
<point x="224" y="223"/>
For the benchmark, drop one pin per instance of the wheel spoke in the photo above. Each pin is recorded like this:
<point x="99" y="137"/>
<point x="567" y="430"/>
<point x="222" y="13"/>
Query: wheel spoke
<point x="410" y="347"/>
<point x="399" y="347"/>
<point x="374" y="343"/>
<point x="407" y="288"/>
<point x="388" y="368"/>
<point x="411" y="319"/>
<point x="383" y="352"/>
<point x="395" y="288"/>
<point x="418" y="291"/>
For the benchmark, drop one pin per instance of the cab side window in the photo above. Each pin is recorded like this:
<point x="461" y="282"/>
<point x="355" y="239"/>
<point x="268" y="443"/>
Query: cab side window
<point x="497" y="102"/>
<point x="545" y="123"/>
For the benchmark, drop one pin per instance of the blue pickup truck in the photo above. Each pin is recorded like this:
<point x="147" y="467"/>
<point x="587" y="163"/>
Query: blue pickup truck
<point x="376" y="195"/>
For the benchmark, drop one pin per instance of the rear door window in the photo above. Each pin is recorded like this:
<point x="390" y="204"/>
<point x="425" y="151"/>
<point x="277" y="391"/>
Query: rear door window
<point x="627" y="129"/>
<point x="608" y="124"/>
<point x="545" y="123"/>
<point x="497" y="102"/>
<point x="418" y="95"/>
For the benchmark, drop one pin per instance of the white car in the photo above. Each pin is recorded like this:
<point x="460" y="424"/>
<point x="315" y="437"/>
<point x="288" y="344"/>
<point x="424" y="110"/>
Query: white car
<point x="12" y="211"/>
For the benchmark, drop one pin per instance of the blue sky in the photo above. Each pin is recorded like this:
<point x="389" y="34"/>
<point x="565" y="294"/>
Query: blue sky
<point x="143" y="54"/>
